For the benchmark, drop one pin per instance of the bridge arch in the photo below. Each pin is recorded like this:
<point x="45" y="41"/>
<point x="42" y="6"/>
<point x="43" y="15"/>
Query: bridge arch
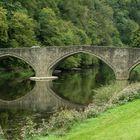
<point x="56" y="61"/>
<point x="132" y="67"/>
<point x="26" y="62"/>
<point x="20" y="58"/>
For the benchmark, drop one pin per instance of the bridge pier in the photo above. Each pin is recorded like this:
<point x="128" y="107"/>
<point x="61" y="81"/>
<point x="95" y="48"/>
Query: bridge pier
<point x="122" y="76"/>
<point x="41" y="68"/>
<point x="49" y="78"/>
<point x="121" y="70"/>
<point x="42" y="75"/>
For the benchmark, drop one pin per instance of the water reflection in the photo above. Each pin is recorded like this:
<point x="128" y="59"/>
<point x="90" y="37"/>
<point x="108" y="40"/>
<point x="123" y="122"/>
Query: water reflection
<point x="36" y="104"/>
<point x="40" y="98"/>
<point x="79" y="86"/>
<point x="13" y="122"/>
<point x="76" y="86"/>
<point x="71" y="88"/>
<point x="14" y="89"/>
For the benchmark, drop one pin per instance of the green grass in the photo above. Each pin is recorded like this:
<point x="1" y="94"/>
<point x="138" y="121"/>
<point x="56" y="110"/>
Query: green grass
<point x="120" y="123"/>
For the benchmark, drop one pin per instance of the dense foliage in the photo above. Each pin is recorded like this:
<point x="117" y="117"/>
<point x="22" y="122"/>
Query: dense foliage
<point x="61" y="22"/>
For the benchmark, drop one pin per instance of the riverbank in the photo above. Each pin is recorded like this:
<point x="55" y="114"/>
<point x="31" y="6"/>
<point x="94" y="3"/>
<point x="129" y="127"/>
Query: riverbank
<point x="122" y="122"/>
<point x="63" y="122"/>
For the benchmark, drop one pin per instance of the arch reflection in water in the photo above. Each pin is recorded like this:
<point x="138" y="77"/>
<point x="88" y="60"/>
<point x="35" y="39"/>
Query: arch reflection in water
<point x="41" y="98"/>
<point x="14" y="75"/>
<point x="78" y="83"/>
<point x="36" y="105"/>
<point x="14" y="89"/>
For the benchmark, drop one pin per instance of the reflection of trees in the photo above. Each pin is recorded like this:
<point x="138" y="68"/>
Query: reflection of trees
<point x="12" y="122"/>
<point x="78" y="86"/>
<point x="12" y="89"/>
<point x="105" y="74"/>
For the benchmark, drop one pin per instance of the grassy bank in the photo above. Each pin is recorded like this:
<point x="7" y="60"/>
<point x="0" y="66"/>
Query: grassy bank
<point x="120" y="123"/>
<point x="66" y="122"/>
<point x="104" y="93"/>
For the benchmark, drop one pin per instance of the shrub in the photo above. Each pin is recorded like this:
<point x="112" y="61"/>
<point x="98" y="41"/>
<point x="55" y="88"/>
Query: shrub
<point x="60" y="122"/>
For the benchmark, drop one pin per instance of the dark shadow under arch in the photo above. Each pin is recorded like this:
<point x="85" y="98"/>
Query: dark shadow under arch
<point x="133" y="74"/>
<point x="15" y="81"/>
<point x="20" y="58"/>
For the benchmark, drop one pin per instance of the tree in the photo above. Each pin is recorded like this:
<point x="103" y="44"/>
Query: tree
<point x="3" y="27"/>
<point x="49" y="27"/>
<point x="126" y="28"/>
<point x="21" y="30"/>
<point x="134" y="10"/>
<point x="135" y="40"/>
<point x="126" y="18"/>
<point x="55" y="31"/>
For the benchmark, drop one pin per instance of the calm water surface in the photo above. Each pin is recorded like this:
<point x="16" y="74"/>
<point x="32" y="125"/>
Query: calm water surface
<point x="79" y="86"/>
<point x="74" y="87"/>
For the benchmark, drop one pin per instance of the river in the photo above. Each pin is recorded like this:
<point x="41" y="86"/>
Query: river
<point x="21" y="99"/>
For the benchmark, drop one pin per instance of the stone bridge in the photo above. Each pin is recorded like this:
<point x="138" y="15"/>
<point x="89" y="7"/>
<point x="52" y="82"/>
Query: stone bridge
<point x="44" y="60"/>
